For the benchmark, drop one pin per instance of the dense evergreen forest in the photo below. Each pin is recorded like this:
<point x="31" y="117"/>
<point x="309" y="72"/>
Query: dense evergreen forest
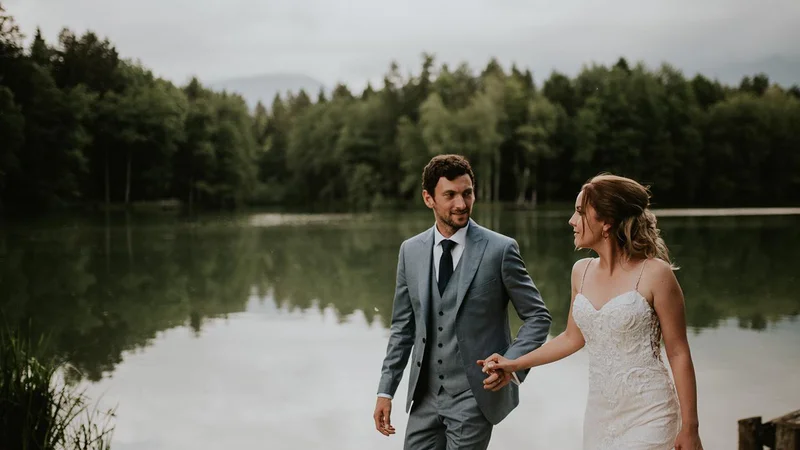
<point x="80" y="124"/>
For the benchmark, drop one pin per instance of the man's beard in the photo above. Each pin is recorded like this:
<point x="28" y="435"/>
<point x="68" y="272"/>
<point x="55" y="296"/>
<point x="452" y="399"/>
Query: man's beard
<point x="450" y="223"/>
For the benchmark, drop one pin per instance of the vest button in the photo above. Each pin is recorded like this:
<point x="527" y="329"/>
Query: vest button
<point x="423" y="340"/>
<point x="441" y="313"/>
<point x="441" y="377"/>
<point x="419" y="364"/>
<point x="440" y="345"/>
<point x="440" y="328"/>
<point x="440" y="361"/>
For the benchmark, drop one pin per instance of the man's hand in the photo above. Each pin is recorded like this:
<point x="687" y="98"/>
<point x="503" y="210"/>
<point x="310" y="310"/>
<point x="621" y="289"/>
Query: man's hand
<point x="498" y="376"/>
<point x="497" y="379"/>
<point x="383" y="412"/>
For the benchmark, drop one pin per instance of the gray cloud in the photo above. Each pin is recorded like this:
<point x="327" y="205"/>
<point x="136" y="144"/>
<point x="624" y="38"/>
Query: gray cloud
<point x="355" y="40"/>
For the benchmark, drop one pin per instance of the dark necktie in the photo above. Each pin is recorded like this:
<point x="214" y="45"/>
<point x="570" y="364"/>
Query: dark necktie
<point x="445" y="264"/>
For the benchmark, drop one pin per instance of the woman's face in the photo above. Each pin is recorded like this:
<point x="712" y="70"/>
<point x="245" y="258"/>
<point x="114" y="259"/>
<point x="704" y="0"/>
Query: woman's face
<point x="586" y="228"/>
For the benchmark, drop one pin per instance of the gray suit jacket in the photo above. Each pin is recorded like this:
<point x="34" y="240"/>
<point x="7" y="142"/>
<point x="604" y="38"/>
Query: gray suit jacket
<point x="493" y="273"/>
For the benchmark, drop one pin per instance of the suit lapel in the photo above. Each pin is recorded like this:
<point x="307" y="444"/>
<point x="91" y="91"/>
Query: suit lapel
<point x="424" y="274"/>
<point x="471" y="259"/>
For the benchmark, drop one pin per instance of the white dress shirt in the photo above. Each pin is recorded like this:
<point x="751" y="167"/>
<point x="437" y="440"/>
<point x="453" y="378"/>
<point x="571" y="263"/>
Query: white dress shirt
<point x="460" y="238"/>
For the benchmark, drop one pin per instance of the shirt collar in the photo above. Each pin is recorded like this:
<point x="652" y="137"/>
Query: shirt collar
<point x="460" y="236"/>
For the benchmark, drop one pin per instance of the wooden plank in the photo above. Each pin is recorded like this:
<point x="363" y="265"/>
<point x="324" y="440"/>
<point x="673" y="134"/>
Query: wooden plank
<point x="787" y="437"/>
<point x="791" y="419"/>
<point x="750" y="434"/>
<point x="787" y="431"/>
<point x="768" y="435"/>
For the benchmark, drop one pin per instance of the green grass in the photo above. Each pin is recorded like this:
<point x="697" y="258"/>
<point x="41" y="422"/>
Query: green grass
<point x="38" y="409"/>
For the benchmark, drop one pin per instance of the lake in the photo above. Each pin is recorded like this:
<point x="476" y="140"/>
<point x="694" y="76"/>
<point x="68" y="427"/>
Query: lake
<point x="268" y="330"/>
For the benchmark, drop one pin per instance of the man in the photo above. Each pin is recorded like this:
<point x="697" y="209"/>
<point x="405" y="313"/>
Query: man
<point x="454" y="282"/>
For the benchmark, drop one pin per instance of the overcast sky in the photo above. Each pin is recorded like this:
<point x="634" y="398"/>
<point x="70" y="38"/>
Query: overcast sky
<point x="355" y="40"/>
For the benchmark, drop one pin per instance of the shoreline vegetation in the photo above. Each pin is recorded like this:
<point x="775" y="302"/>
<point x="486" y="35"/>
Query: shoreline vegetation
<point x="82" y="124"/>
<point x="262" y="215"/>
<point x="176" y="206"/>
<point x="39" y="408"/>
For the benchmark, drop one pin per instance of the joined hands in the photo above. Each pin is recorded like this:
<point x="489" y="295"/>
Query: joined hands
<point x="499" y="369"/>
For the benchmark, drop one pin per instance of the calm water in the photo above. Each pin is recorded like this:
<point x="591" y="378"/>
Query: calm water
<point x="265" y="331"/>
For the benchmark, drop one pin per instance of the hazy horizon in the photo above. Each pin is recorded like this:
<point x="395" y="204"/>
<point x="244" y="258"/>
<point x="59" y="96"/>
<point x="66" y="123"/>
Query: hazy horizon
<point x="179" y="39"/>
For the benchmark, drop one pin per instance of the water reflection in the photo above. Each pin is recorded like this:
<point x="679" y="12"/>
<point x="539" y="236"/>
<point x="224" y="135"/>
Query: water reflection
<point x="103" y="287"/>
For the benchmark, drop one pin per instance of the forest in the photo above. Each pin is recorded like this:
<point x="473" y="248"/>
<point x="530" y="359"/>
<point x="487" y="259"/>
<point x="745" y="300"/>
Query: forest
<point x="82" y="125"/>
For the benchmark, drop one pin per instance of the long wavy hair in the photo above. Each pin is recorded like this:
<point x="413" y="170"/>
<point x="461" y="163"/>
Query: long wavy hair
<point x="625" y="204"/>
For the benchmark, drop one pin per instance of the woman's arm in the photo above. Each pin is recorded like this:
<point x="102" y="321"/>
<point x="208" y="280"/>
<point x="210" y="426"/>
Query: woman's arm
<point x="669" y="305"/>
<point x="568" y="342"/>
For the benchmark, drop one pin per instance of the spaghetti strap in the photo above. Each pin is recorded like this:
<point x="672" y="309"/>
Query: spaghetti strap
<point x="585" y="269"/>
<point x="636" y="287"/>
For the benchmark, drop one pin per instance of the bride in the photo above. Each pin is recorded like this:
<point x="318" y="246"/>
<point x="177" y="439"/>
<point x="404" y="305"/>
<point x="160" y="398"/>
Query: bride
<point x="622" y="302"/>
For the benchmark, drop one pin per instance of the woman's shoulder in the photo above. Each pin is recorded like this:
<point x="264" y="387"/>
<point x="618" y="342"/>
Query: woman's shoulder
<point x="657" y="274"/>
<point x="657" y="267"/>
<point x="580" y="266"/>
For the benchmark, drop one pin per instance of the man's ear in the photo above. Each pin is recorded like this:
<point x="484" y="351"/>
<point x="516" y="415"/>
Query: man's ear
<point x="426" y="197"/>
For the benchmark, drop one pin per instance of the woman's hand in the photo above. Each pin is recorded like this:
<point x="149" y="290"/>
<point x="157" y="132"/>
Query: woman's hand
<point x="688" y="439"/>
<point x="498" y="362"/>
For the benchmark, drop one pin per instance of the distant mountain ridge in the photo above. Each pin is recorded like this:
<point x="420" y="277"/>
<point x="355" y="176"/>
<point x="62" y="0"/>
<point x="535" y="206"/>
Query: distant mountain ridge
<point x="784" y="70"/>
<point x="781" y="69"/>
<point x="264" y="87"/>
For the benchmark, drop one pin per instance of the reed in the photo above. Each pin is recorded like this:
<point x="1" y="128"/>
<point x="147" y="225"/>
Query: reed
<point x="39" y="410"/>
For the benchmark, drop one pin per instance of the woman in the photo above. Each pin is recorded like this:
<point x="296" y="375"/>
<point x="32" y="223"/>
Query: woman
<point x="622" y="303"/>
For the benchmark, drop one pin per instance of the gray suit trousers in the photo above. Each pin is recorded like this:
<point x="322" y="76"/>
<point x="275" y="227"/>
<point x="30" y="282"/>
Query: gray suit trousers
<point x="439" y="421"/>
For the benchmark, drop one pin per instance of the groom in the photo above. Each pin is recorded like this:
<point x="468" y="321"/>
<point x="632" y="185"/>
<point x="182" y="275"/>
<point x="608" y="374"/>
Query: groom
<point x="454" y="282"/>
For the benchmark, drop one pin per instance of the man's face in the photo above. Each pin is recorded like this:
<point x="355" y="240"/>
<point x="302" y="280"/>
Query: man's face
<point x="451" y="203"/>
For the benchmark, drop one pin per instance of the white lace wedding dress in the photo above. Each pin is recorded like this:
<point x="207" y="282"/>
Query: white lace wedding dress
<point x="632" y="404"/>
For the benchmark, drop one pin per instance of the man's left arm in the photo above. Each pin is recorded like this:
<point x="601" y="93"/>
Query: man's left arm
<point x="527" y="302"/>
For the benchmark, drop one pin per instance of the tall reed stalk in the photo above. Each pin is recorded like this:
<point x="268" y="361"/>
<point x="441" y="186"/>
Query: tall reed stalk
<point x="38" y="409"/>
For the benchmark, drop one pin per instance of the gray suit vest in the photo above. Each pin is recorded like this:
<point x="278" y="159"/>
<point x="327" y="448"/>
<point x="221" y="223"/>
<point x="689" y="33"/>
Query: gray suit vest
<point x="442" y="365"/>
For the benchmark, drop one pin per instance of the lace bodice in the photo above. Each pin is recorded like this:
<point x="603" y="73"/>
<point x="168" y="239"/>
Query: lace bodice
<point x="623" y="339"/>
<point x="626" y="371"/>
